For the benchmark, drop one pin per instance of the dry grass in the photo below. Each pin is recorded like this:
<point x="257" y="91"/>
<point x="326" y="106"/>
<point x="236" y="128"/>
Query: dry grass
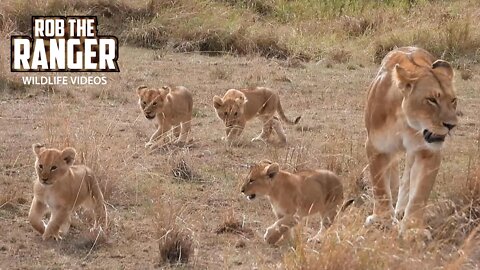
<point x="281" y="29"/>
<point x="144" y="199"/>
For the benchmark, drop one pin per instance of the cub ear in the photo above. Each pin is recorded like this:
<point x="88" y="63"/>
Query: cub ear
<point x="68" y="154"/>
<point x="38" y="148"/>
<point x="272" y="170"/>
<point x="141" y="89"/>
<point x="241" y="100"/>
<point x="166" y="87"/>
<point x="444" y="68"/>
<point x="266" y="161"/>
<point x="217" y="102"/>
<point x="403" y="78"/>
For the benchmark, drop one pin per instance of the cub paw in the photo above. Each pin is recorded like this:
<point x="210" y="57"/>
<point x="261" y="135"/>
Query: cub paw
<point x="47" y="236"/>
<point x="149" y="144"/>
<point x="272" y="235"/>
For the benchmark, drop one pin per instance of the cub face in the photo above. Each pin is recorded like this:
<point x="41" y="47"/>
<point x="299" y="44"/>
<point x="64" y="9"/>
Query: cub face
<point x="430" y="103"/>
<point x="260" y="179"/>
<point x="151" y="101"/>
<point x="231" y="108"/>
<point x="51" y="164"/>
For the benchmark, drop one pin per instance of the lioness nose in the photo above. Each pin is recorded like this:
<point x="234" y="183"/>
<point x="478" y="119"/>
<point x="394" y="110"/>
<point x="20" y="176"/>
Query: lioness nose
<point x="449" y="126"/>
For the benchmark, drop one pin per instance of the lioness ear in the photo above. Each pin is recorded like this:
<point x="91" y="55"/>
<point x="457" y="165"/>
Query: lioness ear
<point x="141" y="89"/>
<point x="272" y="170"/>
<point x="38" y="148"/>
<point x="403" y="78"/>
<point x="217" y="102"/>
<point x="443" y="67"/>
<point x="68" y="154"/>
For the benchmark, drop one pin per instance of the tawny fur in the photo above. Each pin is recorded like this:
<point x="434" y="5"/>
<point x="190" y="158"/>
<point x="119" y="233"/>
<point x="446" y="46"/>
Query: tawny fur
<point x="411" y="107"/>
<point x="294" y="196"/>
<point x="61" y="188"/>
<point x="172" y="107"/>
<point x="237" y="107"/>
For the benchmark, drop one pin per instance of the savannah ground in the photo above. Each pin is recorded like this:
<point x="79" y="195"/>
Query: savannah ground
<point x="146" y="200"/>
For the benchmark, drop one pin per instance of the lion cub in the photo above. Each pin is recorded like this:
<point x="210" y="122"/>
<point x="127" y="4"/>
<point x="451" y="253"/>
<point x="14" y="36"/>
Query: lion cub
<point x="294" y="196"/>
<point x="173" y="109"/>
<point x="61" y="188"/>
<point x="237" y="107"/>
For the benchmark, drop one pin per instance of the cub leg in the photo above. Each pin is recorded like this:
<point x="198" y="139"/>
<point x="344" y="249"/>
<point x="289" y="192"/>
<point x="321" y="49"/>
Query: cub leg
<point x="279" y="228"/>
<point x="277" y="126"/>
<point x="37" y="210"/>
<point x="267" y="129"/>
<point x="177" y="130"/>
<point x="235" y="133"/>
<point x="185" y="131"/>
<point x="160" y="140"/>
<point x="59" y="217"/>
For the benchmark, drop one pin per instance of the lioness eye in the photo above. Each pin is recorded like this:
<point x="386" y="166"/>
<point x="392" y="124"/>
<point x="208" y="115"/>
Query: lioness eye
<point x="144" y="103"/>
<point x="432" y="101"/>
<point x="236" y="113"/>
<point x="251" y="181"/>
<point x="40" y="166"/>
<point x="154" y="103"/>
<point x="225" y="113"/>
<point x="454" y="100"/>
<point x="53" y="168"/>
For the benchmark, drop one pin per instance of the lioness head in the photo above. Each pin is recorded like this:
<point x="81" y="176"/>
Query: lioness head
<point x="430" y="101"/>
<point x="52" y="163"/>
<point x="152" y="100"/>
<point x="231" y="108"/>
<point x="260" y="179"/>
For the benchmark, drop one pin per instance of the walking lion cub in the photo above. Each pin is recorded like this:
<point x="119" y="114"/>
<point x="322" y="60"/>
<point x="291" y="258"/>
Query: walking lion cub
<point x="294" y="196"/>
<point x="61" y="188"/>
<point x="237" y="107"/>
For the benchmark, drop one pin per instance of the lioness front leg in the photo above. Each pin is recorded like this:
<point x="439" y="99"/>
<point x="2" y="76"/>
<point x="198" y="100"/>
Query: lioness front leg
<point x="59" y="217"/>
<point x="279" y="228"/>
<point x="423" y="174"/>
<point x="35" y="216"/>
<point x="404" y="188"/>
<point x="379" y="170"/>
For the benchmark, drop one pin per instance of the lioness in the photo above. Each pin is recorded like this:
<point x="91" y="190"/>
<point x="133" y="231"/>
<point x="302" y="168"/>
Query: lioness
<point x="239" y="106"/>
<point x="294" y="195"/>
<point x="173" y="109"/>
<point x="61" y="188"/>
<point x="411" y="108"/>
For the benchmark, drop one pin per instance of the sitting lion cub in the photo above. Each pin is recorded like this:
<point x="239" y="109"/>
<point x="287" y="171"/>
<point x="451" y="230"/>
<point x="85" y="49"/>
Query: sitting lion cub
<point x="294" y="196"/>
<point x="61" y="188"/>
<point x="239" y="106"/>
<point x="171" y="107"/>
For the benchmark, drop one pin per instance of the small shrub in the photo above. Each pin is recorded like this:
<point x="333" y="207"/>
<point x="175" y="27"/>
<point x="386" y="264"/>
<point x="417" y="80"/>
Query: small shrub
<point x="175" y="247"/>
